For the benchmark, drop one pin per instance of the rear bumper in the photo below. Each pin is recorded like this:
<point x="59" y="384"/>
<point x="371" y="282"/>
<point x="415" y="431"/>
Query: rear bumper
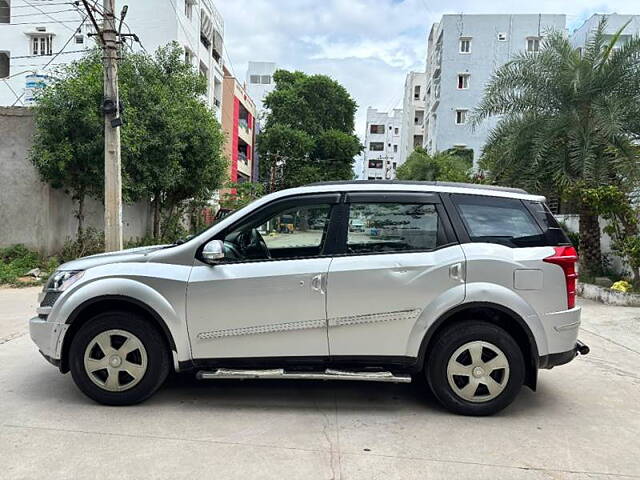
<point x="556" y="359"/>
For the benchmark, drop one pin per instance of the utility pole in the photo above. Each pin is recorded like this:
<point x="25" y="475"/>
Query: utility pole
<point x="112" y="122"/>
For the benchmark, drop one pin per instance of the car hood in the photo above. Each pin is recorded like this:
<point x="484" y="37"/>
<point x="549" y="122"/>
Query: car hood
<point x="138" y="254"/>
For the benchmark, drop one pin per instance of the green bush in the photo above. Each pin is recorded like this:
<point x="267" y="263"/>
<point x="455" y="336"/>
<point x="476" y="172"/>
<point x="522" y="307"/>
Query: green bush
<point x="91" y="242"/>
<point x="17" y="260"/>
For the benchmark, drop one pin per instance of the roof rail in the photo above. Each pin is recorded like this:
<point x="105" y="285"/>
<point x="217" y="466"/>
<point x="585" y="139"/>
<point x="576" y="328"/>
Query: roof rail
<point x="413" y="182"/>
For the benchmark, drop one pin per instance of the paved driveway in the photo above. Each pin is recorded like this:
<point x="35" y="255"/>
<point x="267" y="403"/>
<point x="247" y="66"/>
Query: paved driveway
<point x="584" y="421"/>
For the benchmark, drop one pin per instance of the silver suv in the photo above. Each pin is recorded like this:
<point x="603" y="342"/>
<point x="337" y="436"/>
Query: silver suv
<point x="470" y="289"/>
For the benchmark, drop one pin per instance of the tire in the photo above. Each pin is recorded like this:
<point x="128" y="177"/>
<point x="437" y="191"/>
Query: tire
<point x="468" y="386"/>
<point x="133" y="367"/>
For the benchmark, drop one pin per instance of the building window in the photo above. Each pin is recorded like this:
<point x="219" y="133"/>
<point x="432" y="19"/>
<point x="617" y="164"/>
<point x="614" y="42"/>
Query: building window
<point x="533" y="44"/>
<point x="188" y="56"/>
<point x="5" y="11"/>
<point x="395" y="150"/>
<point x="461" y="117"/>
<point x="376" y="146"/>
<point x="465" y="45"/>
<point x="463" y="81"/>
<point x="377" y="129"/>
<point x="188" y="9"/>
<point x="416" y="92"/>
<point x="79" y="39"/>
<point x="265" y="79"/>
<point x="396" y="131"/>
<point x="395" y="164"/>
<point x="375" y="163"/>
<point x="42" y="45"/>
<point x="4" y="64"/>
<point x="502" y="36"/>
<point x="254" y="78"/>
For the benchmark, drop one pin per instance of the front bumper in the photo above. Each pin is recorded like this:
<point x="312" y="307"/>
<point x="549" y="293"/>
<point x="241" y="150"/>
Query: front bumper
<point x="556" y="359"/>
<point x="48" y="337"/>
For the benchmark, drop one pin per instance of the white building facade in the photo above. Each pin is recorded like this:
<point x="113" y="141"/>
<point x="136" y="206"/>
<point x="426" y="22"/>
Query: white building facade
<point x="37" y="37"/>
<point x="259" y="82"/>
<point x="615" y="22"/>
<point x="413" y="105"/>
<point x="382" y="144"/>
<point x="463" y="52"/>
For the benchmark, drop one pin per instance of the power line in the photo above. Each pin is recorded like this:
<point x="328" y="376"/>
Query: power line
<point x="44" y="13"/>
<point x="67" y="42"/>
<point x="39" y="14"/>
<point x="31" y="6"/>
<point x="56" y="54"/>
<point x="61" y="22"/>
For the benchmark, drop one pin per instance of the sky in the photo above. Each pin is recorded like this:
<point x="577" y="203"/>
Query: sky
<point x="367" y="45"/>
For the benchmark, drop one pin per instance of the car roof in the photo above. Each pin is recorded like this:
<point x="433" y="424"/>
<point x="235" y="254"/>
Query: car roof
<point x="412" y="186"/>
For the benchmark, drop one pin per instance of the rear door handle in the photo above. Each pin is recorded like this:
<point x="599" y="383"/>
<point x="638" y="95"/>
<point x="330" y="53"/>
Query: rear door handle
<point x="456" y="272"/>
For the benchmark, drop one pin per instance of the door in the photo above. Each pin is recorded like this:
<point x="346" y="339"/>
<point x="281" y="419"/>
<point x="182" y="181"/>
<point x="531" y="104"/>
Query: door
<point x="267" y="297"/>
<point x="400" y="256"/>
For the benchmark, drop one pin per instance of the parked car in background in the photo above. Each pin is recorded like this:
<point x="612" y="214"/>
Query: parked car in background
<point x="469" y="289"/>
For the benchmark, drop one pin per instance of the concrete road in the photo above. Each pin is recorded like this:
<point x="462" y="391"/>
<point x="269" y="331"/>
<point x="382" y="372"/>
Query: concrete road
<point x="584" y="422"/>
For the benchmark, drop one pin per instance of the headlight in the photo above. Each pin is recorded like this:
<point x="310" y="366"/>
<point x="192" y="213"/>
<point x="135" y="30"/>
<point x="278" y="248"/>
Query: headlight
<point x="60" y="281"/>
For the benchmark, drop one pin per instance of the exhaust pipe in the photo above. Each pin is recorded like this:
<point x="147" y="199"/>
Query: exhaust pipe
<point x="582" y="348"/>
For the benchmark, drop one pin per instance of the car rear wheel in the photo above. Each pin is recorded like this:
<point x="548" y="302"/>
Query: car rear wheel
<point x="475" y="368"/>
<point x="118" y="358"/>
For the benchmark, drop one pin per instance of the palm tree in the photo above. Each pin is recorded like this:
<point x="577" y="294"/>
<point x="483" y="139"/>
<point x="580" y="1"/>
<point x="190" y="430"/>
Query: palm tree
<point x="569" y="120"/>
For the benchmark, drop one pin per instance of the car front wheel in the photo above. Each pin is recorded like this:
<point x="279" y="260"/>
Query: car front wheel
<point x="475" y="368"/>
<point x="118" y="358"/>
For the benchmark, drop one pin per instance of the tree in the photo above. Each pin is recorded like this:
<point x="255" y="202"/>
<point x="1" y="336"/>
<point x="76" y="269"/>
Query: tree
<point x="308" y="134"/>
<point x="171" y="141"/>
<point x="172" y="146"/>
<point x="449" y="166"/>
<point x="68" y="145"/>
<point x="241" y="194"/>
<point x="569" y="120"/>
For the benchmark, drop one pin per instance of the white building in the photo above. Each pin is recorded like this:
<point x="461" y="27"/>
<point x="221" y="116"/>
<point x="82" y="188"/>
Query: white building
<point x="412" y="131"/>
<point x="615" y="22"/>
<point x="382" y="144"/>
<point x="463" y="52"/>
<point x="260" y="82"/>
<point x="37" y="36"/>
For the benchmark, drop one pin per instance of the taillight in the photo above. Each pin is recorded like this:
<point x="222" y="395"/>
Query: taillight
<point x="567" y="257"/>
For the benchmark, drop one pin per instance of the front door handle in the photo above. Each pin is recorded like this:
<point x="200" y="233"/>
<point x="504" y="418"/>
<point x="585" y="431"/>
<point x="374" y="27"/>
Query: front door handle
<point x="317" y="283"/>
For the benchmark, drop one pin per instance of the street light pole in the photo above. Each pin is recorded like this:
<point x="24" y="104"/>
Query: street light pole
<point x="112" y="122"/>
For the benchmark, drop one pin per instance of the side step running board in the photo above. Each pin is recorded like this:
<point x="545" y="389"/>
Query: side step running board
<point x="279" y="373"/>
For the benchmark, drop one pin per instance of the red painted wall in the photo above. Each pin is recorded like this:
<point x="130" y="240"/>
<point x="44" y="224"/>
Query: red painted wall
<point x="234" y="140"/>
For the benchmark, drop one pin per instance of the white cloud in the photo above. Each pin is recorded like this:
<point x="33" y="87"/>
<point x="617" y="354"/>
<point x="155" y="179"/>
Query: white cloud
<point x="367" y="45"/>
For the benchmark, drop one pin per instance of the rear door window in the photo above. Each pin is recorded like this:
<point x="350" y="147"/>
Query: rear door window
<point x="393" y="227"/>
<point x="505" y="221"/>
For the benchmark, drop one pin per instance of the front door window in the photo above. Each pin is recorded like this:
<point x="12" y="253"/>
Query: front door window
<point x="295" y="232"/>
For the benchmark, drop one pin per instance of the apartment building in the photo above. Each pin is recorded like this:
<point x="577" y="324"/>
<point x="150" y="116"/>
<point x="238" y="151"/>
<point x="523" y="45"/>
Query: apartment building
<point x="238" y="124"/>
<point x="413" y="105"/>
<point x="615" y="22"/>
<point x="36" y="37"/>
<point x="463" y="51"/>
<point x="260" y="82"/>
<point x="382" y="144"/>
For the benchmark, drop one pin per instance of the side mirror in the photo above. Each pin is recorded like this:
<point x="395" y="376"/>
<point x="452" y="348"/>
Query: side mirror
<point x="213" y="251"/>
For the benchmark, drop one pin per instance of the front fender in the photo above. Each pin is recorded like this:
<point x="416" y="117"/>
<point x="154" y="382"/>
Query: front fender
<point x="70" y="305"/>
